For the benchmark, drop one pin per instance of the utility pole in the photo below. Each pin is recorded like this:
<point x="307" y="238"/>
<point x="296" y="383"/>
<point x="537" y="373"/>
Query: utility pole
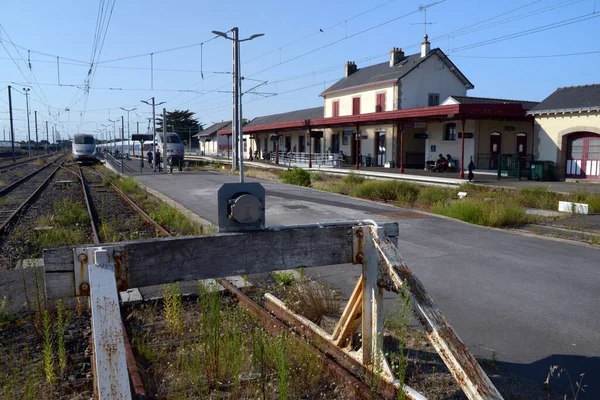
<point x="234" y="119"/>
<point x="165" y="139"/>
<point x="4" y="133"/>
<point x="114" y="135"/>
<point x="47" y="148"/>
<point x="190" y="138"/>
<point x="154" y="129"/>
<point x="128" y="135"/>
<point x="122" y="143"/>
<point x="12" y="129"/>
<point x="236" y="122"/>
<point x="53" y="137"/>
<point x="26" y="90"/>
<point x="142" y="145"/>
<point x="37" y="145"/>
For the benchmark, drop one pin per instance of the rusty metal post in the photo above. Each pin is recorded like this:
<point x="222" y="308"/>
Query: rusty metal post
<point x="112" y="380"/>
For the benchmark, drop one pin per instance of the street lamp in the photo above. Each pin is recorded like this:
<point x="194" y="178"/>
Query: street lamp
<point x="128" y="135"/>
<point x="26" y="90"/>
<point x="236" y="121"/>
<point x="154" y="130"/>
<point x="114" y="135"/>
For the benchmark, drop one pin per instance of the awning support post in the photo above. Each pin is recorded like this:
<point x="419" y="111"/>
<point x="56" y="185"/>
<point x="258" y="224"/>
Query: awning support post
<point x="462" y="150"/>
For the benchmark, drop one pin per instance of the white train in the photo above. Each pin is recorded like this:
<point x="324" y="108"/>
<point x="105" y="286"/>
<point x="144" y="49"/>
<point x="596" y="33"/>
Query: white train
<point x="84" y="148"/>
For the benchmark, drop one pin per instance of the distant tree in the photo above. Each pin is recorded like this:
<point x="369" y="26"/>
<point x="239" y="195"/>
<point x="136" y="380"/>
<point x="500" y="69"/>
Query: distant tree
<point x="182" y="122"/>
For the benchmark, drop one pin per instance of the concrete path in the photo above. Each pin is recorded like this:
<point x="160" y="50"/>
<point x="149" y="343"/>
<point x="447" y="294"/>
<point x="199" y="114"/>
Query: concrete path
<point x="533" y="301"/>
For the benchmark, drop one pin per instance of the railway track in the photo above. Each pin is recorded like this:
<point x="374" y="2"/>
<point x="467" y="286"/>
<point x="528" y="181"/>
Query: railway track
<point x="15" y="197"/>
<point x="9" y="166"/>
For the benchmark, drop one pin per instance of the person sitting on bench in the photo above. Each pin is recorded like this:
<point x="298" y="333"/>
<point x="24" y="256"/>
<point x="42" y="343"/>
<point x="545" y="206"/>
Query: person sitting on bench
<point x="441" y="165"/>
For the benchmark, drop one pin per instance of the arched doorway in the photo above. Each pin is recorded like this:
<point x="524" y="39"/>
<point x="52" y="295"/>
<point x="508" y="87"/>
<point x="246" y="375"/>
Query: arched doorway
<point x="495" y="146"/>
<point x="521" y="144"/>
<point x="583" y="155"/>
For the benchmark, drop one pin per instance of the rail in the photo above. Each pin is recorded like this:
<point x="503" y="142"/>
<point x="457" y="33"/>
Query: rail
<point x="13" y="213"/>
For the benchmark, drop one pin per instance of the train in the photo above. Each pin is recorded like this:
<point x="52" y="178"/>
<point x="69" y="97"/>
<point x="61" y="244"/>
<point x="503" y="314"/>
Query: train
<point x="84" y="148"/>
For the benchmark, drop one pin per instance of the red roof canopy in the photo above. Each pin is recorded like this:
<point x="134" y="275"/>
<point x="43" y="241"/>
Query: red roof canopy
<point x="436" y="113"/>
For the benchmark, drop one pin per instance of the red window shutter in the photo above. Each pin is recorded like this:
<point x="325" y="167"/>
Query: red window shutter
<point x="336" y="109"/>
<point x="356" y="106"/>
<point x="380" y="102"/>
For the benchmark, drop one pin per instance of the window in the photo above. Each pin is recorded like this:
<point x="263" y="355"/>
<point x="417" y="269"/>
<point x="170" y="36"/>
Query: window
<point x="336" y="109"/>
<point x="434" y="99"/>
<point x="450" y="132"/>
<point x="355" y="105"/>
<point x="380" y="106"/>
<point x="173" y="138"/>
<point x="83" y="139"/>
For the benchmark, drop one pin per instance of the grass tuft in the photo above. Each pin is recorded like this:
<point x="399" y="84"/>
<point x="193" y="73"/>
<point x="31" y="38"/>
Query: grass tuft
<point x="495" y="214"/>
<point x="283" y="278"/>
<point x="297" y="176"/>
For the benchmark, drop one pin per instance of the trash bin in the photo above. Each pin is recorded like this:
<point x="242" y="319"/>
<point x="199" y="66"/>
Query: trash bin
<point x="368" y="161"/>
<point x="542" y="170"/>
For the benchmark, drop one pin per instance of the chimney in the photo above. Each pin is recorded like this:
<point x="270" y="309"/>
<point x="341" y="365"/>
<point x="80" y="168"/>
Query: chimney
<point x="396" y="55"/>
<point x="350" y="68"/>
<point x="425" y="47"/>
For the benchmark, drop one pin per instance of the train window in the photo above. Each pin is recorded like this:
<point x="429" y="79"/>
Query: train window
<point x="84" y="140"/>
<point x="173" y="139"/>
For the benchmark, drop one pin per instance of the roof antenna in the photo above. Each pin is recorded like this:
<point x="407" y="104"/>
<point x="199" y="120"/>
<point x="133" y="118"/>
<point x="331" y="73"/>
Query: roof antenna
<point x="425" y="23"/>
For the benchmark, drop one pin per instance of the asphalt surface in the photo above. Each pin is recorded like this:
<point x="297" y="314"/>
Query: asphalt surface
<point x="532" y="301"/>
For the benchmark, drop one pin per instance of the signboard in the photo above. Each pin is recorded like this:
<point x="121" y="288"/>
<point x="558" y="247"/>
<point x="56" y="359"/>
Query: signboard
<point x="420" y="124"/>
<point x="273" y="137"/>
<point x="316" y="134"/>
<point x="142" y="137"/>
<point x="509" y="128"/>
<point x="364" y="136"/>
<point x="468" y="135"/>
<point x="421" y="136"/>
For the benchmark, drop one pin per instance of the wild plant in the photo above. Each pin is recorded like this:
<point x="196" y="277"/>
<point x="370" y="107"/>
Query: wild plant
<point x="173" y="307"/>
<point x="283" y="278"/>
<point x="61" y="323"/>
<point x="557" y="371"/>
<point x="48" y="351"/>
<point x="282" y="367"/>
<point x="210" y="307"/>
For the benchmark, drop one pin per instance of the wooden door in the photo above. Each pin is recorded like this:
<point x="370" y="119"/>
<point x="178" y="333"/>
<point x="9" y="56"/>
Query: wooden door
<point x="521" y="144"/>
<point x="380" y="149"/>
<point x="495" y="145"/>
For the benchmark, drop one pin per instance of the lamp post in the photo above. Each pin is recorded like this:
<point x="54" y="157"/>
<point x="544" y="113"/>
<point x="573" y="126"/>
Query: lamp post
<point x="236" y="121"/>
<point x="154" y="130"/>
<point x="26" y="90"/>
<point x="114" y="135"/>
<point x="128" y="135"/>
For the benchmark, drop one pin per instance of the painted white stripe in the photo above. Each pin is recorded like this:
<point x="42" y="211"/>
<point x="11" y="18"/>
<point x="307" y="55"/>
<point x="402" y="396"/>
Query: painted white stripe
<point x="595" y="167"/>
<point x="578" y="169"/>
<point x="569" y="163"/>
<point x="588" y="167"/>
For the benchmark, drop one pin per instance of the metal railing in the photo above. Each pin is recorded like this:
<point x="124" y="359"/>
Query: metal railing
<point x="302" y="159"/>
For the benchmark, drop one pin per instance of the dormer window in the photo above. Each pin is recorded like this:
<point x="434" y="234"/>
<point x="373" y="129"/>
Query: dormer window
<point x="450" y="132"/>
<point x="434" y="99"/>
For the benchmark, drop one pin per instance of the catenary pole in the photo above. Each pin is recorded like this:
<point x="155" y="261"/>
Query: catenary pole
<point x="26" y="90"/>
<point x="12" y="128"/>
<point x="37" y="145"/>
<point x="122" y="144"/>
<point x="234" y="117"/>
<point x="164" y="149"/>
<point x="47" y="148"/>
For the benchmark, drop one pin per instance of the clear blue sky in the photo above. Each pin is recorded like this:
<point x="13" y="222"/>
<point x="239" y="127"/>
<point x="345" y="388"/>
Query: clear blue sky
<point x="292" y="29"/>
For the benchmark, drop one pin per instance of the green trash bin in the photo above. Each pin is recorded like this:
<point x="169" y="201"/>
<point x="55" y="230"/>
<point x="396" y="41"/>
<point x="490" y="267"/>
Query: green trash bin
<point x="542" y="170"/>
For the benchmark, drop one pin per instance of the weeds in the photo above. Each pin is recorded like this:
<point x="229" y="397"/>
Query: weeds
<point x="174" y="221"/>
<point x="397" y="324"/>
<point x="283" y="278"/>
<point x="498" y="214"/>
<point x="61" y="323"/>
<point x="297" y="176"/>
<point x="173" y="306"/>
<point x="282" y="368"/>
<point x="210" y="307"/>
<point x="313" y="300"/>
<point x="557" y="371"/>
<point x="48" y="352"/>
<point x="538" y="197"/>
<point x="6" y="318"/>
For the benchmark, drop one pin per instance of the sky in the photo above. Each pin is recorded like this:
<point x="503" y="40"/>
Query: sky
<point x="515" y="49"/>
